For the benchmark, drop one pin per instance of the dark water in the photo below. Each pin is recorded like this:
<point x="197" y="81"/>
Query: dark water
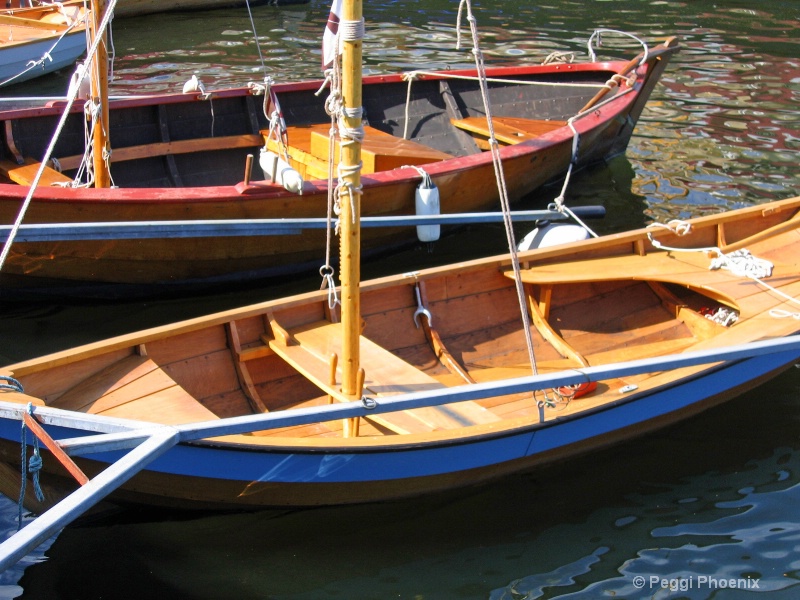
<point x="707" y="509"/>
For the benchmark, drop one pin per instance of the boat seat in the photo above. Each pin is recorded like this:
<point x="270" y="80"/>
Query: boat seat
<point x="226" y="142"/>
<point x="309" y="348"/>
<point x="309" y="150"/>
<point x="136" y="388"/>
<point x="507" y="130"/>
<point x="25" y="173"/>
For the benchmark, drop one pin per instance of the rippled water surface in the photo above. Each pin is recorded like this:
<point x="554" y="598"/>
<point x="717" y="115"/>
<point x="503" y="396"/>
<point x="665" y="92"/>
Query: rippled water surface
<point x="707" y="509"/>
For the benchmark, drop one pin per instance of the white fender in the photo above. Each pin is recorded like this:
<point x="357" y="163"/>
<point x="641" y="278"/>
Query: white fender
<point x="553" y="234"/>
<point x="279" y="171"/>
<point x="427" y="203"/>
<point x="80" y="81"/>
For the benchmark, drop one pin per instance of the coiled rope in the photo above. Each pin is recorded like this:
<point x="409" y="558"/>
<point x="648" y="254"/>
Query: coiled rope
<point x="739" y="262"/>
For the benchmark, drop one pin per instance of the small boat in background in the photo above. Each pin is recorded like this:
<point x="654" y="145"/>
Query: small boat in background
<point x="184" y="157"/>
<point x="40" y="40"/>
<point x="136" y="8"/>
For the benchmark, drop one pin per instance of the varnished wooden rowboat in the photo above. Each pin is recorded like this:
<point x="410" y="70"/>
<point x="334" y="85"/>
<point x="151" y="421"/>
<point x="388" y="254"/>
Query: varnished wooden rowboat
<point x="40" y="40"/>
<point x="136" y="8"/>
<point x="184" y="157"/>
<point x="590" y="304"/>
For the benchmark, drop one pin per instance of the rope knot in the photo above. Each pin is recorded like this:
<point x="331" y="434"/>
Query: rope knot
<point x="35" y="464"/>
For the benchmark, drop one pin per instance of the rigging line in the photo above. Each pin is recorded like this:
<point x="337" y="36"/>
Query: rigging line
<point x="442" y="74"/>
<point x="91" y="55"/>
<point x="255" y="37"/>
<point x="501" y="184"/>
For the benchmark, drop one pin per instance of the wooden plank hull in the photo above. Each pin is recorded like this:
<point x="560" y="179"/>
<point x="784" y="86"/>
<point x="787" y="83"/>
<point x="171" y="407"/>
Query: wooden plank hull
<point x="158" y="178"/>
<point x="204" y="477"/>
<point x="275" y="356"/>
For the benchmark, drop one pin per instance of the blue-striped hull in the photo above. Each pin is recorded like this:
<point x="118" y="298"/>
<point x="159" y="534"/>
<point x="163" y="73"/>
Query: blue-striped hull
<point x="206" y="475"/>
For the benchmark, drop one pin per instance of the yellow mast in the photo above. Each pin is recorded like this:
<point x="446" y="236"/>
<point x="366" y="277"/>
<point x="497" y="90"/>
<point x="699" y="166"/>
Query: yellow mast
<point x="351" y="206"/>
<point x="99" y="78"/>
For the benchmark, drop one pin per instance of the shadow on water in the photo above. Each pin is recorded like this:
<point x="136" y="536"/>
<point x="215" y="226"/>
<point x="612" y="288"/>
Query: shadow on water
<point x="587" y="527"/>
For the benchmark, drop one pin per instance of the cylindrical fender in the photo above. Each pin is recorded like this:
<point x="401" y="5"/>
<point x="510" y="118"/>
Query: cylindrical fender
<point x="280" y="172"/>
<point x="427" y="203"/>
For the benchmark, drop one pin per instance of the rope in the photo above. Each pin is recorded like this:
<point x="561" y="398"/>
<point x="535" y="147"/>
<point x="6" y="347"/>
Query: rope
<point x="739" y="262"/>
<point x="444" y="75"/>
<point x="351" y="31"/>
<point x="34" y="467"/>
<point x="255" y="37"/>
<point x="500" y="177"/>
<point x="11" y="384"/>
<point x="598" y="33"/>
<point x="48" y="153"/>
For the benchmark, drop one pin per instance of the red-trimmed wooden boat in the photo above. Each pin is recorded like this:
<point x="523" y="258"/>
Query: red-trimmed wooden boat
<point x="184" y="157"/>
<point x="591" y="304"/>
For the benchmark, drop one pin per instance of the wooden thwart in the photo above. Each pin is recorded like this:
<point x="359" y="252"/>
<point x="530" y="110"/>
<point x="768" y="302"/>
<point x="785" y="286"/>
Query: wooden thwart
<point x="227" y="142"/>
<point x="25" y="173"/>
<point x="308" y="349"/>
<point x="309" y="150"/>
<point x="507" y="130"/>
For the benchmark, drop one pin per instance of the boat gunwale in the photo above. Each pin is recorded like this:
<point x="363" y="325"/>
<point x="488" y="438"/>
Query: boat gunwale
<point x="615" y="105"/>
<point x="623" y="240"/>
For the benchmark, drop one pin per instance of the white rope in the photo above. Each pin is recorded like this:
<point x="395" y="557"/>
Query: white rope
<point x="742" y="264"/>
<point x="739" y="262"/>
<point x="598" y="34"/>
<point x="410" y="78"/>
<point x="92" y="52"/>
<point x="350" y="31"/>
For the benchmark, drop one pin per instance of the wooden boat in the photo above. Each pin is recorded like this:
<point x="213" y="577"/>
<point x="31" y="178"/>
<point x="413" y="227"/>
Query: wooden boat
<point x="184" y="157"/>
<point x="136" y="8"/>
<point x="41" y="40"/>
<point x="591" y="304"/>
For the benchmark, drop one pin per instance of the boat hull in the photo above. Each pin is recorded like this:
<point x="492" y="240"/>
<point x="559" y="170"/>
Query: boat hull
<point x="55" y="38"/>
<point x="15" y="60"/>
<point x="213" y="476"/>
<point x="118" y="266"/>
<point x="253" y="396"/>
<point x="136" y="8"/>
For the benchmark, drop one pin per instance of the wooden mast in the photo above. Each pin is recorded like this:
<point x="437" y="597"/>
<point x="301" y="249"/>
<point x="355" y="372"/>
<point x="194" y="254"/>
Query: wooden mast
<point x="350" y="243"/>
<point x="99" y="79"/>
